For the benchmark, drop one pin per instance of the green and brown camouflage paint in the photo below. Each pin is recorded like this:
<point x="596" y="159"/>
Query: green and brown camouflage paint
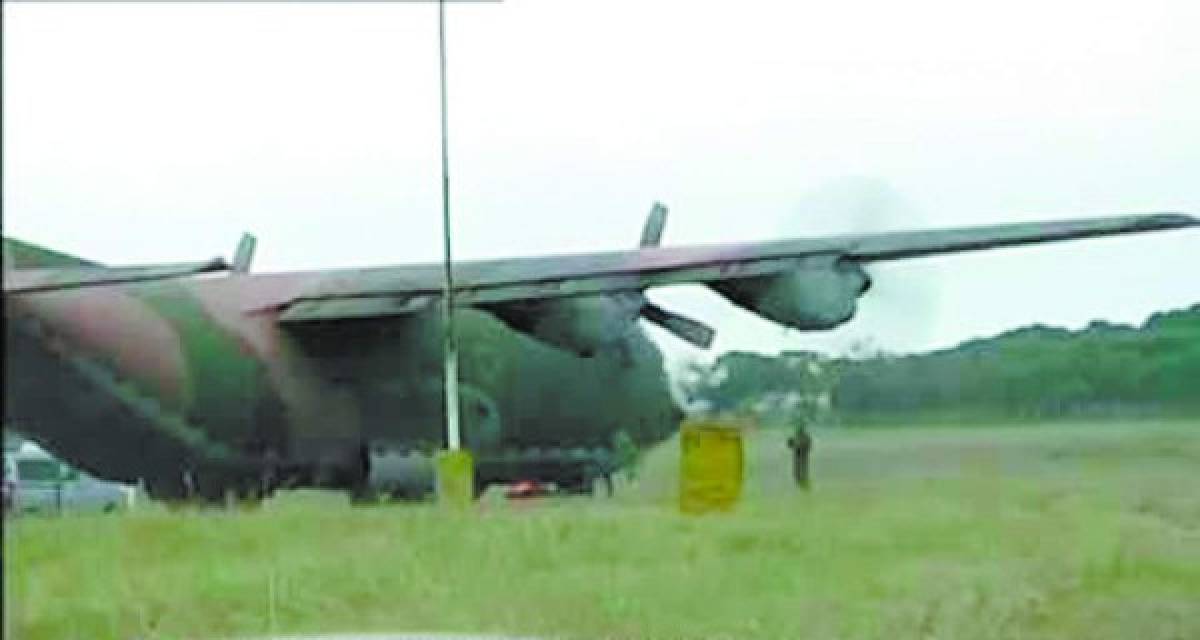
<point x="145" y="379"/>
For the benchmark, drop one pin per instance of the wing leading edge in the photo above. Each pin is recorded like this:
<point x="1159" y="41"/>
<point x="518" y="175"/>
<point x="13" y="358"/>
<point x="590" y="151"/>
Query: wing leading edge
<point x="59" y="278"/>
<point x="915" y="244"/>
<point x="29" y="268"/>
<point x="389" y="291"/>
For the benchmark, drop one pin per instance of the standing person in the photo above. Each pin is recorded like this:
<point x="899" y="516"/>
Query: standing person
<point x="801" y="445"/>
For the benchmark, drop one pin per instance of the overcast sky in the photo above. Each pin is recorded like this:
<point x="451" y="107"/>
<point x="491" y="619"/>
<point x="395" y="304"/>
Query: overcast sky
<point x="158" y="132"/>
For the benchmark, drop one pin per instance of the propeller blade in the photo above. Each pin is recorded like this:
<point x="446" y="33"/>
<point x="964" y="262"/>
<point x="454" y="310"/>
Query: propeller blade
<point x="686" y="329"/>
<point x="244" y="254"/>
<point x="655" y="223"/>
<point x="692" y="331"/>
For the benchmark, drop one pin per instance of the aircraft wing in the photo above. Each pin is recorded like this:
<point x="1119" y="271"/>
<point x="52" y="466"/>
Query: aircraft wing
<point x="388" y="291"/>
<point x="57" y="278"/>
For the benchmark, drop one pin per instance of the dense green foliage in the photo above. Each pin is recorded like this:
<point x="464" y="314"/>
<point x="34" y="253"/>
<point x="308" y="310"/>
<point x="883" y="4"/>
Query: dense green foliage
<point x="1104" y="370"/>
<point x="794" y="386"/>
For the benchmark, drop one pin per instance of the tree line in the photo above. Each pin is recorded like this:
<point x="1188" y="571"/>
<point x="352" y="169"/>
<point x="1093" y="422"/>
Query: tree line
<point x="1037" y="372"/>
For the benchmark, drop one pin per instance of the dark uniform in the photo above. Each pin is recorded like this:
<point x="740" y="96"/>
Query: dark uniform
<point x="801" y="445"/>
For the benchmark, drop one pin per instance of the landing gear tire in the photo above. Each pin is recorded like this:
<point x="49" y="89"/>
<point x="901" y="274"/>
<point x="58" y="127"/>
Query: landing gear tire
<point x="602" y="486"/>
<point x="579" y="487"/>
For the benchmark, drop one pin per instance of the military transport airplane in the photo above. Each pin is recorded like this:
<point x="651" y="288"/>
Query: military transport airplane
<point x="208" y="385"/>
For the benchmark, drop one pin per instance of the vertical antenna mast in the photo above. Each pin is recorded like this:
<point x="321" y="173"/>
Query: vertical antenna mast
<point x="453" y="439"/>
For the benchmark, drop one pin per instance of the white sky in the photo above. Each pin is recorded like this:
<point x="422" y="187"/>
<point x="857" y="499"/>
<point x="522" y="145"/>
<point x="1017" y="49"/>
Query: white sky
<point x="158" y="132"/>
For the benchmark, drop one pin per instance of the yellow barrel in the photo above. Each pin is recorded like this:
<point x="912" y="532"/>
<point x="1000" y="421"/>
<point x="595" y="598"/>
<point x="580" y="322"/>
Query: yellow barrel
<point x="710" y="466"/>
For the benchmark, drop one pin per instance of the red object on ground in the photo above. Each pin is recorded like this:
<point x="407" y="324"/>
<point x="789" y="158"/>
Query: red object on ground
<point x="525" y="489"/>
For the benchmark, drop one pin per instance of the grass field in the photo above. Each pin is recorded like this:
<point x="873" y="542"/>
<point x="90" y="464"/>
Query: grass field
<point x="1063" y="531"/>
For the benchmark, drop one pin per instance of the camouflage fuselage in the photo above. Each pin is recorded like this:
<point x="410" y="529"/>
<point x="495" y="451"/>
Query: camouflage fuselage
<point x="158" y="381"/>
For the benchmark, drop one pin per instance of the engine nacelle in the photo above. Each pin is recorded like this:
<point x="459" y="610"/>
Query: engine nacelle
<point x="821" y="293"/>
<point x="583" y="325"/>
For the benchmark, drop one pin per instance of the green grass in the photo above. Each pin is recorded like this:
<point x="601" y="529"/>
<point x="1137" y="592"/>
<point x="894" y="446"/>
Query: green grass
<point x="1063" y="531"/>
